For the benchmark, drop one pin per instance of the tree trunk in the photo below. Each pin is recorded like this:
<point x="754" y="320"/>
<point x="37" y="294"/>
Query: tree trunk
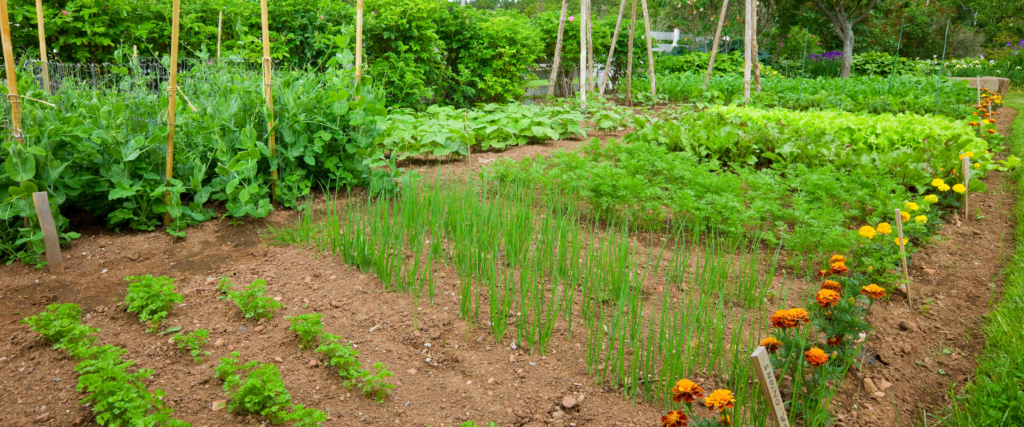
<point x="555" y="65"/>
<point x="847" y="50"/>
<point x="714" y="48"/>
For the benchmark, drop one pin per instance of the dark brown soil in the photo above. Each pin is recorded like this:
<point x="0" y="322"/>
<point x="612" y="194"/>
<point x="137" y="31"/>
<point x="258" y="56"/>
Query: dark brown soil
<point x="447" y="371"/>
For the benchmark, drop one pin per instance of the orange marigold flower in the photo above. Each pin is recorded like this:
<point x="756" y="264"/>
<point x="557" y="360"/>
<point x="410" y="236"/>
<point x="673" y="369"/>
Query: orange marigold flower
<point x="837" y="259"/>
<point x="874" y="291"/>
<point x="725" y="421"/>
<point x="686" y="390"/>
<point x="771" y="344"/>
<point x="816" y="356"/>
<point x="785" y="319"/>
<point x="720" y="400"/>
<point x="674" y="419"/>
<point x="991" y="131"/>
<point x="827" y="297"/>
<point x="832" y="285"/>
<point x="823" y="273"/>
<point x="838" y="268"/>
<point x="835" y="341"/>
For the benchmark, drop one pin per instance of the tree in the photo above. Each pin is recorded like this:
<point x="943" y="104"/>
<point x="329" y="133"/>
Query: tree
<point x="841" y="13"/>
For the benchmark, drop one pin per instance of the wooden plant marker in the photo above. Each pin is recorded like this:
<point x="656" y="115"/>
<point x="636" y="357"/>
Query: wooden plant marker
<point x="172" y="92"/>
<point x="50" y="239"/>
<point x="769" y="386"/>
<point x="903" y="251"/>
<point x="966" y="166"/>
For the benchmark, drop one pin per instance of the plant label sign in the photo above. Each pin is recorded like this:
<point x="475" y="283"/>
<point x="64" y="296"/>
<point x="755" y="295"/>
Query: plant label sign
<point x="770" y="387"/>
<point x="50" y="237"/>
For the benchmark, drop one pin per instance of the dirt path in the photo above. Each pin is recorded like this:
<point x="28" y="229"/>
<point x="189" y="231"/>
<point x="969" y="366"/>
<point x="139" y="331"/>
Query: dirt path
<point x="919" y="352"/>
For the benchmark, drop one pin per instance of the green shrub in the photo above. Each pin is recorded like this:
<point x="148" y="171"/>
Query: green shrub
<point x="252" y="302"/>
<point x="151" y="298"/>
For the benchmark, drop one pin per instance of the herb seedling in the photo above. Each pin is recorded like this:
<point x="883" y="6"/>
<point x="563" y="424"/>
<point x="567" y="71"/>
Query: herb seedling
<point x="308" y="327"/>
<point x="224" y="286"/>
<point x="252" y="302"/>
<point x="194" y="341"/>
<point x="151" y="298"/>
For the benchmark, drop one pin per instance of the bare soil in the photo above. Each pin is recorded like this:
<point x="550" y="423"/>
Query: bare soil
<point x="447" y="371"/>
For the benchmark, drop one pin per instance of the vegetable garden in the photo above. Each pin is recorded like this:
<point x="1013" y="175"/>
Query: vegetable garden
<point x="376" y="224"/>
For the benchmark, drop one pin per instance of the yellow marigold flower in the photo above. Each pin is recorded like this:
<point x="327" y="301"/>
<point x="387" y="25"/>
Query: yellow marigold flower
<point x="943" y="187"/>
<point x="771" y="344"/>
<point x="977" y="165"/>
<point x="836" y="258"/>
<point x="720" y="400"/>
<point x="931" y="198"/>
<point x="904" y="216"/>
<point x="832" y="285"/>
<point x="911" y="206"/>
<point x="884" y="228"/>
<point x="867" y="232"/>
<point x="897" y="240"/>
<point x="816" y="356"/>
<point x="686" y="390"/>
<point x="938" y="182"/>
<point x="959" y="188"/>
<point x="967" y="154"/>
<point x="874" y="291"/>
<point x="921" y="219"/>
<point x="674" y="419"/>
<point x="827" y="298"/>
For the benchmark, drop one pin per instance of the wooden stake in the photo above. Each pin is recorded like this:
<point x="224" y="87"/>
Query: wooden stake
<point x="42" y="46"/>
<point x="769" y="386"/>
<point x="135" y="54"/>
<point x="966" y="166"/>
<point x="718" y="39"/>
<point x="611" y="50"/>
<point x="558" y="50"/>
<point x="650" y="50"/>
<point x="220" y="21"/>
<point x="359" y="39"/>
<point x="50" y="238"/>
<point x="629" y="55"/>
<point x="903" y="251"/>
<point x="172" y="93"/>
<point x="746" y="50"/>
<point x="583" y="54"/>
<point x="269" y="95"/>
<point x="12" y="78"/>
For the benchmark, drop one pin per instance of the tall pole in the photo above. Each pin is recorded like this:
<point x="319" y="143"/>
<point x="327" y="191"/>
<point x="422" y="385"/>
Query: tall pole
<point x="753" y="43"/>
<point x="172" y="91"/>
<point x="611" y="50"/>
<point x="269" y="95"/>
<point x="42" y="46"/>
<point x="893" y="72"/>
<point x="12" y="78"/>
<point x="629" y="54"/>
<point x="747" y="50"/>
<point x="558" y="50"/>
<point x="650" y="50"/>
<point x="359" y="39"/>
<point x="583" y="54"/>
<point x="220" y="21"/>
<point x="590" y="49"/>
<point x="714" y="48"/>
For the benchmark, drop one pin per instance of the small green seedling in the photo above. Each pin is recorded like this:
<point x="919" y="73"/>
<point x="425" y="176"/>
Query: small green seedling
<point x="252" y="302"/>
<point x="258" y="389"/>
<point x="342" y="357"/>
<point x="308" y="327"/>
<point x="224" y="286"/>
<point x="151" y="298"/>
<point x="194" y="341"/>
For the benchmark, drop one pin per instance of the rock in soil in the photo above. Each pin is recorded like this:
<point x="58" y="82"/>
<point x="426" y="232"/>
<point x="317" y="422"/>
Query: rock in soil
<point x="869" y="385"/>
<point x="568" y="402"/>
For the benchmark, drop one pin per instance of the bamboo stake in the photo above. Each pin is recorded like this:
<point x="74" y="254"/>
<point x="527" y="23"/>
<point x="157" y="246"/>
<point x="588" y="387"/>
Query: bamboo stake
<point x="746" y="50"/>
<point x="903" y="251"/>
<point x="611" y="50"/>
<point x="558" y="50"/>
<point x="714" y="48"/>
<point x="220" y="21"/>
<point x="629" y="55"/>
<point x="269" y="95"/>
<point x="135" y="54"/>
<point x="42" y="46"/>
<point x="172" y="92"/>
<point x="756" y="63"/>
<point x="583" y="54"/>
<point x="359" y="39"/>
<point x="650" y="50"/>
<point x="12" y="78"/>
